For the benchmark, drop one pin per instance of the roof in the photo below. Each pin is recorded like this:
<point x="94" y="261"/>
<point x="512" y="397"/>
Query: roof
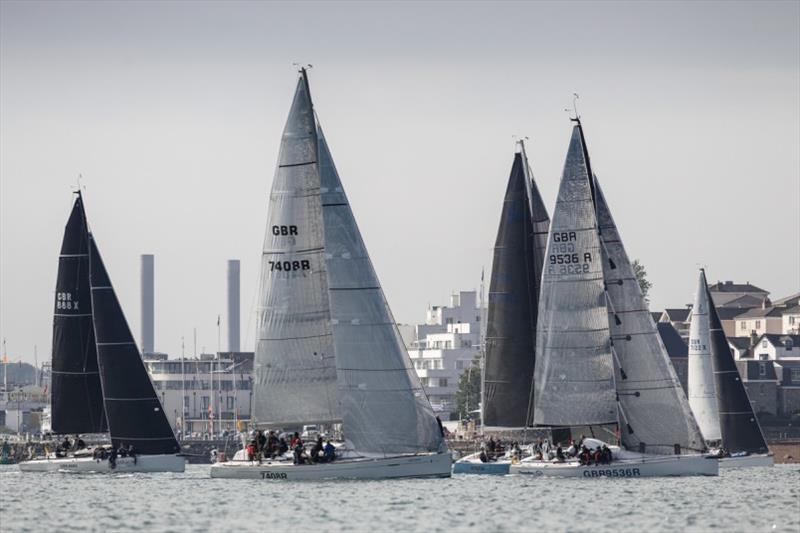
<point x="729" y="313"/>
<point x="656" y="315"/>
<point x="729" y="286"/>
<point x="746" y="301"/>
<point x="741" y="343"/>
<point x="680" y="314"/>
<point x="672" y="340"/>
<point x="793" y="299"/>
<point x="777" y="339"/>
<point x="761" y="313"/>
<point x="785" y="370"/>
<point x="751" y="370"/>
<point x="792" y="310"/>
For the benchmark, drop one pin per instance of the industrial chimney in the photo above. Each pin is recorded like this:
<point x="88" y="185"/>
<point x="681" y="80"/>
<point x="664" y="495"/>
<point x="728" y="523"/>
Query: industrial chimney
<point x="148" y="304"/>
<point x="233" y="305"/>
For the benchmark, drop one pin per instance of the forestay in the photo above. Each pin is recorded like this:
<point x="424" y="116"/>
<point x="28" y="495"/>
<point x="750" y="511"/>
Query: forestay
<point x="702" y="396"/>
<point x="76" y="394"/>
<point x="574" y="375"/>
<point x="135" y="414"/>
<point x="384" y="408"/>
<point x="654" y="410"/>
<point x="513" y="305"/>
<point x="294" y="361"/>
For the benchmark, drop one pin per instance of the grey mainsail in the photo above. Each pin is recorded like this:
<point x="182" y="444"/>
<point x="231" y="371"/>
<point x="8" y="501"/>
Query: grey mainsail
<point x="512" y="309"/>
<point x="294" y="362"/>
<point x="574" y="375"/>
<point x="384" y="408"/>
<point x="654" y="412"/>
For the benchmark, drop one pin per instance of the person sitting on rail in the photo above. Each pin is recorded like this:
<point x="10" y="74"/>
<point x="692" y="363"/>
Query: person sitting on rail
<point x="318" y="450"/>
<point x="282" y="446"/>
<point x="606" y="455"/>
<point x="272" y="444"/>
<point x="329" y="452"/>
<point x="560" y="457"/>
<point x="251" y="451"/>
<point x="300" y="456"/>
<point x="78" y="443"/>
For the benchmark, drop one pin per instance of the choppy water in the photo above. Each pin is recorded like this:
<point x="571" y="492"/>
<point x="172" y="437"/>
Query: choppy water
<point x="751" y="500"/>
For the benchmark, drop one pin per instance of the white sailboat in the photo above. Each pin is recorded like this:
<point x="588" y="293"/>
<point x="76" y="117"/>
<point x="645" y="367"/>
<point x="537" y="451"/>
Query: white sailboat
<point x="599" y="359"/>
<point x="329" y="350"/>
<point x="716" y="393"/>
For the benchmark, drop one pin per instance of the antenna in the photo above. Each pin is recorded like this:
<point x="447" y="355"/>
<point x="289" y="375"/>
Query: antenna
<point x="574" y="110"/>
<point x="301" y="68"/>
<point x="519" y="140"/>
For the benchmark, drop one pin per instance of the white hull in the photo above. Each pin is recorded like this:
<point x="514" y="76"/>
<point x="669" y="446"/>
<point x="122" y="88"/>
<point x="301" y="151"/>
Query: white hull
<point x="404" y="466"/>
<point x="747" y="461"/>
<point x="652" y="466"/>
<point x="143" y="463"/>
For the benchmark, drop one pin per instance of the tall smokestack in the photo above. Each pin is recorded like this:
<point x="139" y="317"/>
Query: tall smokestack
<point x="233" y="305"/>
<point x="148" y="304"/>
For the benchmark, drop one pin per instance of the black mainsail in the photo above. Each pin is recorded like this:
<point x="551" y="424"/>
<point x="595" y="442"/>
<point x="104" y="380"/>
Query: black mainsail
<point x="514" y="300"/>
<point x="76" y="394"/>
<point x="738" y="423"/>
<point x="134" y="412"/>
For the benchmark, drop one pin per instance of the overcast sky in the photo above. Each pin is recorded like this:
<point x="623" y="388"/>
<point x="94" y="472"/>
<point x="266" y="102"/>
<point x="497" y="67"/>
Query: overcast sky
<point x="173" y="112"/>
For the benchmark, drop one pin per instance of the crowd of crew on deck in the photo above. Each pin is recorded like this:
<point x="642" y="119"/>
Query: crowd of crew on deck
<point x="271" y="446"/>
<point x="101" y="453"/>
<point x="542" y="450"/>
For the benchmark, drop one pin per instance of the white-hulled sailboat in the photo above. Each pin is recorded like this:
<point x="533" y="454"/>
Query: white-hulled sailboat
<point x="99" y="380"/>
<point x="716" y="392"/>
<point x="513" y="306"/>
<point x="599" y="358"/>
<point x="328" y="347"/>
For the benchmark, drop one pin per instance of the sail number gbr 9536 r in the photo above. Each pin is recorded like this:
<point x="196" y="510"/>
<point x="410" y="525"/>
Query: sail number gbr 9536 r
<point x="288" y="265"/>
<point x="563" y="258"/>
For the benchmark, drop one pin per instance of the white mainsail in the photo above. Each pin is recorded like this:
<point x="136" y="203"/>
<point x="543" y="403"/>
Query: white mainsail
<point x="702" y="394"/>
<point x="384" y="408"/>
<point x="294" y="361"/>
<point x="574" y="374"/>
<point x="647" y="385"/>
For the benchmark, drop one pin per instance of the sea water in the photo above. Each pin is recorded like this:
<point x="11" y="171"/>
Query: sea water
<point x="747" y="500"/>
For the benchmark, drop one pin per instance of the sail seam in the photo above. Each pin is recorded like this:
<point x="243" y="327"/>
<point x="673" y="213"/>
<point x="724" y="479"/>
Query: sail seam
<point x="297" y="164"/>
<point x="115" y="343"/>
<point x="72" y="315"/>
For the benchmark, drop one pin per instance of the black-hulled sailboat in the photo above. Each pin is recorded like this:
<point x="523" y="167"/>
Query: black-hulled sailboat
<point x="735" y="426"/>
<point x="510" y="341"/>
<point x="599" y="358"/>
<point x="100" y="383"/>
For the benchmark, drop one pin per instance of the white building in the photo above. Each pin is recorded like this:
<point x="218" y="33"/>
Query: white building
<point x="444" y="346"/>
<point x="214" y="388"/>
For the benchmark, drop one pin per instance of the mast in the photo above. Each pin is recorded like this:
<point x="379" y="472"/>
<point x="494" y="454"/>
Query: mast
<point x="482" y="348"/>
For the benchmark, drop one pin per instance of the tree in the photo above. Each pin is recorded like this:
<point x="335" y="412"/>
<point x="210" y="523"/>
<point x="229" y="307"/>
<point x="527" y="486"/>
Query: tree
<point x="468" y="396"/>
<point x="641" y="277"/>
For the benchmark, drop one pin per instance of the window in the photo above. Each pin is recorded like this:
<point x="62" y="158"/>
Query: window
<point x="443" y="382"/>
<point x="792" y="320"/>
<point x="795" y="374"/>
<point x="229" y="403"/>
<point x="205" y="400"/>
<point x="758" y="324"/>
<point x="478" y="318"/>
<point x="744" y="325"/>
<point x="764" y="343"/>
<point x="186" y="403"/>
<point x="762" y="369"/>
<point x="788" y="344"/>
<point x="459" y="364"/>
<point x="763" y="356"/>
<point x="424" y="381"/>
<point x="449" y="321"/>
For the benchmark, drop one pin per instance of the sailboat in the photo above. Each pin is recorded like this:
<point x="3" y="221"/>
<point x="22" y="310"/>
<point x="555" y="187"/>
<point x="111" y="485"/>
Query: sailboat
<point x="99" y="380"/>
<point x="329" y="351"/>
<point x="599" y="359"/>
<point x="512" y="311"/>
<point x="716" y="392"/>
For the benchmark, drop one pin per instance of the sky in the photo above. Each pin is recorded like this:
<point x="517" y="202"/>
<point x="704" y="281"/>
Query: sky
<point x="172" y="113"/>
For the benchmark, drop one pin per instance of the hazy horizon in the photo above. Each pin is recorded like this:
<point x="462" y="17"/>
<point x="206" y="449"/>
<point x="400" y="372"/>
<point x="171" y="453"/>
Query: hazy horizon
<point x="173" y="111"/>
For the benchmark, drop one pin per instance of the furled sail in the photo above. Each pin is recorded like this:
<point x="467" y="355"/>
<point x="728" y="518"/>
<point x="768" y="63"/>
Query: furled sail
<point x="76" y="394"/>
<point x="574" y="374"/>
<point x="702" y="395"/>
<point x="513" y="304"/>
<point x="654" y="411"/>
<point x="384" y="408"/>
<point x="294" y="362"/>
<point x="135" y="414"/>
<point x="739" y="426"/>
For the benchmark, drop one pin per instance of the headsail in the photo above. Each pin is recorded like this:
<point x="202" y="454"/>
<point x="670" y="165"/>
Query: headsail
<point x="654" y="410"/>
<point x="135" y="414"/>
<point x="384" y="408"/>
<point x="574" y="375"/>
<point x="76" y="395"/>
<point x="738" y="423"/>
<point x="702" y="397"/>
<point x="294" y="362"/>
<point x="513" y="304"/>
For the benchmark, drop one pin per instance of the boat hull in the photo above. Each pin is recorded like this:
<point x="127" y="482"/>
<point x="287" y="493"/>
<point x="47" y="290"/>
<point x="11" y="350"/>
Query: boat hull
<point x="747" y="461"/>
<point x="406" y="466"/>
<point x="471" y="464"/>
<point x="655" y="466"/>
<point x="143" y="463"/>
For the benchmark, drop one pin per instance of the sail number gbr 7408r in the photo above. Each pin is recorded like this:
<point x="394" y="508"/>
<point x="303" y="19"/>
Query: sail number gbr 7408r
<point x="563" y="258"/>
<point x="287" y="266"/>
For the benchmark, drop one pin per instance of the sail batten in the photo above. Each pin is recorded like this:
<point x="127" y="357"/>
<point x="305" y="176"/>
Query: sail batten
<point x="76" y="392"/>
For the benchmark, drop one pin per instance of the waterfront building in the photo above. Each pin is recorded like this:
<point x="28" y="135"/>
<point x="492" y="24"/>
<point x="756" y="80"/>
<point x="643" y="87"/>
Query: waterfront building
<point x="758" y="321"/>
<point x="445" y="346"/>
<point x="730" y="294"/>
<point x="205" y="395"/>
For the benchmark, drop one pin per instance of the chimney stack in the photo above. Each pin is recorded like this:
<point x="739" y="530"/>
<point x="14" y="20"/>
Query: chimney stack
<point x="148" y="304"/>
<point x="233" y="305"/>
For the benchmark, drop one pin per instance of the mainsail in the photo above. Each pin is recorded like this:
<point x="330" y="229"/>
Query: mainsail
<point x="384" y="408"/>
<point x="574" y="375"/>
<point x="738" y="423"/>
<point x="76" y="394"/>
<point x="294" y="362"/>
<point x="654" y="412"/>
<point x="702" y="395"/>
<point x="135" y="414"/>
<point x="514" y="300"/>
